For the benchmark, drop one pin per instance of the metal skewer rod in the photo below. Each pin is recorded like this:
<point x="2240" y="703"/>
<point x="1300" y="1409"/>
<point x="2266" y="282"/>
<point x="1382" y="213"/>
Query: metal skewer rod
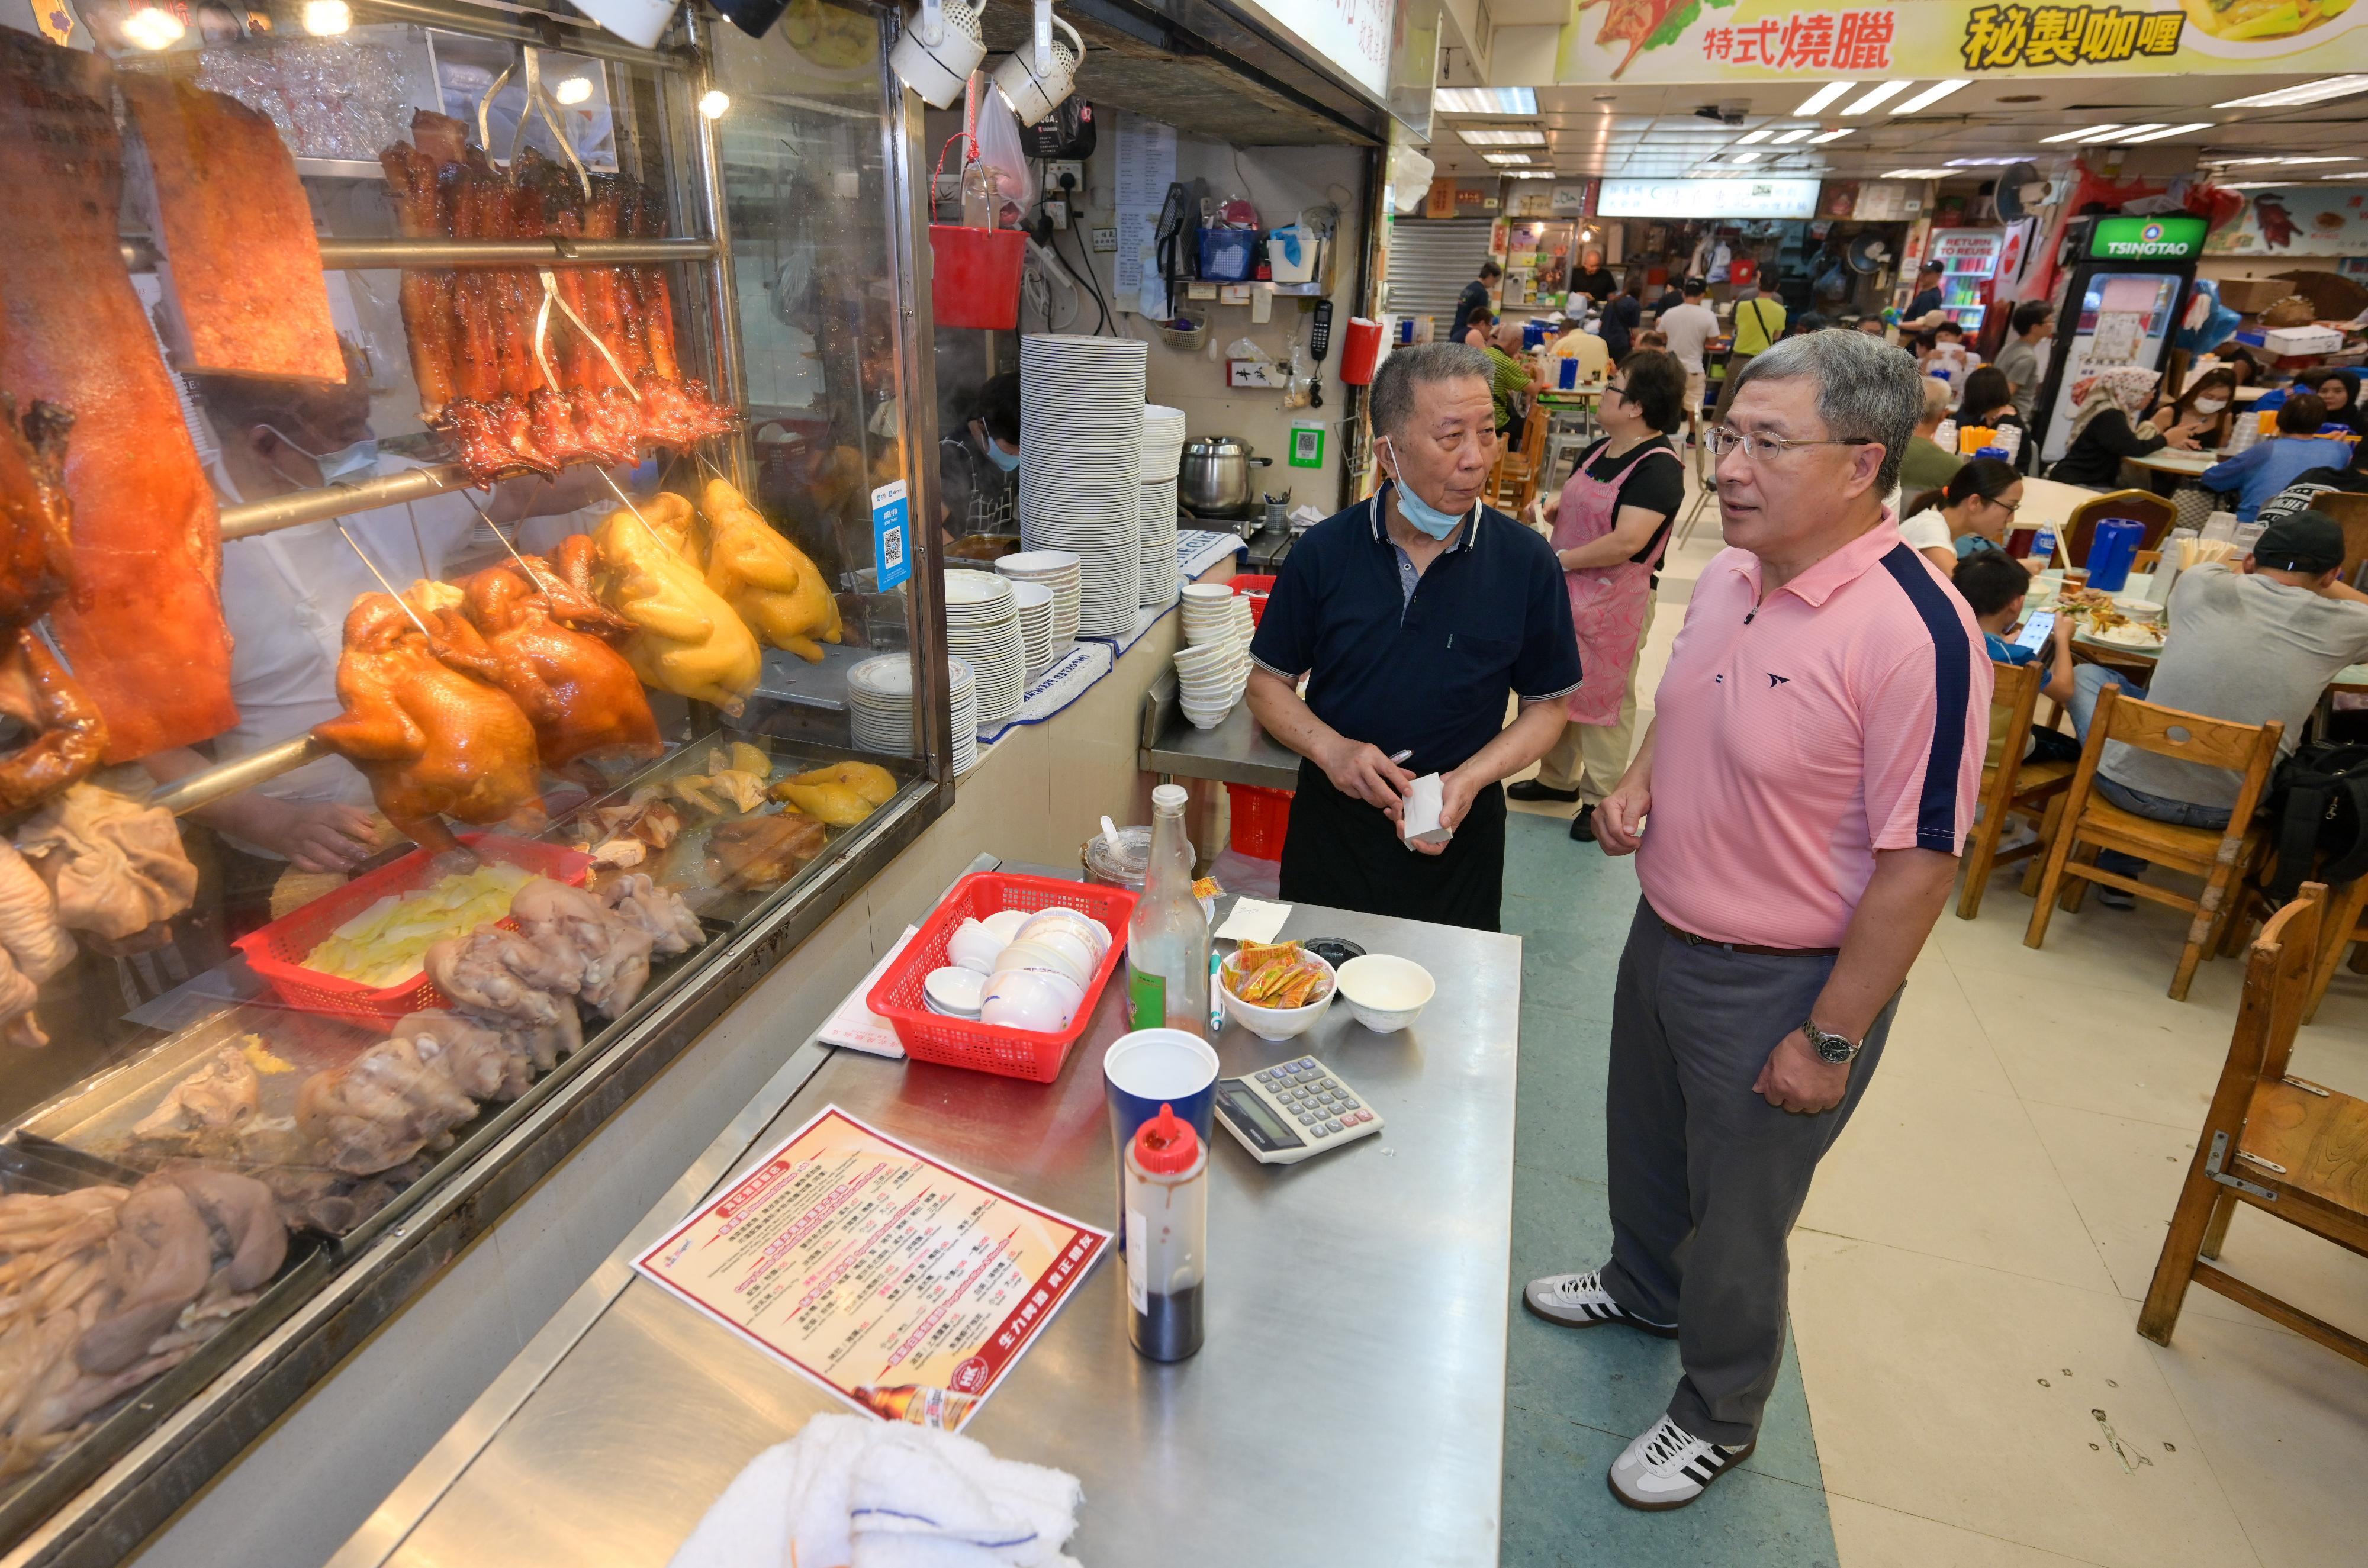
<point x="619" y="491"/>
<point x="486" y="517"/>
<point x="383" y="583"/>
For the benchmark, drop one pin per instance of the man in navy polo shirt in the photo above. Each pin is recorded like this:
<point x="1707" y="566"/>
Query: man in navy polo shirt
<point x="1412" y="615"/>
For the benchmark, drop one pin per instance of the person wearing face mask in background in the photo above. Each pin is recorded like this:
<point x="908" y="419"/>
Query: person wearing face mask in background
<point x="285" y="595"/>
<point x="978" y="464"/>
<point x="2207" y="407"/>
<point x="1413" y="615"/>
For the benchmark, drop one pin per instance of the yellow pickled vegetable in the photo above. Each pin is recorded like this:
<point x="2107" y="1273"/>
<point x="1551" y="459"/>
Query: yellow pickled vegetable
<point x="387" y="942"/>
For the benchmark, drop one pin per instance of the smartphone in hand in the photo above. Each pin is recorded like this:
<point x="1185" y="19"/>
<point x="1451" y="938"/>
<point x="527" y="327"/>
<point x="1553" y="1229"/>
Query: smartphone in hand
<point x="2037" y="631"/>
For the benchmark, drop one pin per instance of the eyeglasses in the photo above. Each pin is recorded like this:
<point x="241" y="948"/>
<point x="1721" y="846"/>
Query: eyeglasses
<point x="2009" y="507"/>
<point x="1763" y="448"/>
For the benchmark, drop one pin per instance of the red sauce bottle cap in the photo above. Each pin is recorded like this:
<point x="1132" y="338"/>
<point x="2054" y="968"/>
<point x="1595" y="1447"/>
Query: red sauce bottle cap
<point x="1165" y="1144"/>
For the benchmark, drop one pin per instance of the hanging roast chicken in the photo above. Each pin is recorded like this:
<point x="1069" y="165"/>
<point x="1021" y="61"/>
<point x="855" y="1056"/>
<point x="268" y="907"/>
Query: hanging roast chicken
<point x="427" y="723"/>
<point x="687" y="639"/>
<point x="773" y="586"/>
<point x="578" y="692"/>
<point x="36" y="571"/>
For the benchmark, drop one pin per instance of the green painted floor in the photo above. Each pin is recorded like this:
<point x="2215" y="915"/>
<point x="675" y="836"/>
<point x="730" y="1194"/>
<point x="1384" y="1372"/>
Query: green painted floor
<point x="1574" y="1397"/>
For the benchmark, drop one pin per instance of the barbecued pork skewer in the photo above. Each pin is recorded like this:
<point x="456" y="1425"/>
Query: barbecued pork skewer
<point x="427" y="296"/>
<point x="476" y="359"/>
<point x="655" y="295"/>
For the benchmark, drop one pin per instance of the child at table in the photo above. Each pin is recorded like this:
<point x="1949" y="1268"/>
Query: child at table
<point x="1993" y="585"/>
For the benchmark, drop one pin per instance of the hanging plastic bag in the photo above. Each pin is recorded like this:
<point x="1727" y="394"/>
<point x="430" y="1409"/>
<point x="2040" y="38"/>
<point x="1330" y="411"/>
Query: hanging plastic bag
<point x="999" y="148"/>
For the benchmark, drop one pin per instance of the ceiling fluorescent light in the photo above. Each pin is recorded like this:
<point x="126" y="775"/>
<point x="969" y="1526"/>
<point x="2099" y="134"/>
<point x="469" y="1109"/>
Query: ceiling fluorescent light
<point x="1800" y="133"/>
<point x="2081" y="133"/>
<point x="2167" y="131"/>
<point x="2116" y="132"/>
<point x="1743" y="157"/>
<point x="1486" y="100"/>
<point x="1934" y="94"/>
<point x="2348" y="174"/>
<point x="2308" y="92"/>
<point x="1881" y="93"/>
<point x="1475" y="137"/>
<point x="1984" y="162"/>
<point x="1747" y="139"/>
<point x="1829" y="136"/>
<point x="1502" y="159"/>
<point x="1815" y="102"/>
<point x="1530" y="173"/>
<point x="1918" y="174"/>
<point x="2232" y="163"/>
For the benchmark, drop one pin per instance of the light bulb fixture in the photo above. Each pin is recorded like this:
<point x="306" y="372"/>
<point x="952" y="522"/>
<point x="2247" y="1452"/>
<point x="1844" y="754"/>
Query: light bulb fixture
<point x="574" y="90"/>
<point x="327" y="18"/>
<point x="938" y="51"/>
<point x="2163" y="132"/>
<point x="2083" y="132"/>
<point x="1800" y="133"/>
<point x="148" y="28"/>
<point x="1934" y="94"/>
<point x="714" y="102"/>
<point x="1749" y="137"/>
<point x="1823" y="137"/>
<point x="1877" y="96"/>
<point x="1035" y="78"/>
<point x="1815" y="102"/>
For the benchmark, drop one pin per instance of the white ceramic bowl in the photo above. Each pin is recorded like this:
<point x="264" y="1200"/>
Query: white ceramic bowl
<point x="1027" y="954"/>
<point x="954" y="991"/>
<point x="1006" y="923"/>
<point x="1277" y="1023"/>
<point x="1066" y="940"/>
<point x="1385" y="993"/>
<point x="1093" y="930"/>
<point x="1022" y="999"/>
<point x="2140" y="609"/>
<point x="1207" y="593"/>
<point x="973" y="947"/>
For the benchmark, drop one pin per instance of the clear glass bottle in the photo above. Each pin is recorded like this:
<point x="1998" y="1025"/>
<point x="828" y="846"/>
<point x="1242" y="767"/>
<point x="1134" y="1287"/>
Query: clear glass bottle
<point x="1168" y="936"/>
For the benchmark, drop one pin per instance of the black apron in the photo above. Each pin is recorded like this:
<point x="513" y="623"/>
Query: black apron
<point x="1344" y="853"/>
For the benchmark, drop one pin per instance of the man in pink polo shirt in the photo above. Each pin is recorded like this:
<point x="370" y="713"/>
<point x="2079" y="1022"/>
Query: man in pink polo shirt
<point x="1797" y="810"/>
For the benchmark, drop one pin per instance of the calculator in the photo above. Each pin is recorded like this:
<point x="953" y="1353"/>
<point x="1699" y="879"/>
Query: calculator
<point x="1292" y="1111"/>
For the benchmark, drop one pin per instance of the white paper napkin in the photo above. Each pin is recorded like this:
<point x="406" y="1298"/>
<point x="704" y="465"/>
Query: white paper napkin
<point x="1254" y="920"/>
<point x="856" y="1025"/>
<point x="1424" y="799"/>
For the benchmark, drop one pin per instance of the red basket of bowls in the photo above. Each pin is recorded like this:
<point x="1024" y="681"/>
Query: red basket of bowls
<point x="276" y="952"/>
<point x="995" y="1047"/>
<point x="1254" y="587"/>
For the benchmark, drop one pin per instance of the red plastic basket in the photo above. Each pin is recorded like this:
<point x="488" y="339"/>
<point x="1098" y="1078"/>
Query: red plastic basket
<point x="1261" y="820"/>
<point x="994" y="1047"/>
<point x="974" y="276"/>
<point x="1256" y="588"/>
<point x="275" y="953"/>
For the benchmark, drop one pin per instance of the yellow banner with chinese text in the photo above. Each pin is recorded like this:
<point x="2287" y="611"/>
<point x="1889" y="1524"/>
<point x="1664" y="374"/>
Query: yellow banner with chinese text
<point x="1706" y="41"/>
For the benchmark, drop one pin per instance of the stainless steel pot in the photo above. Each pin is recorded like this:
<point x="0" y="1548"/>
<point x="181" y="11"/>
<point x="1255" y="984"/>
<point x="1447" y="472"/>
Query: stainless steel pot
<point x="1214" y="480"/>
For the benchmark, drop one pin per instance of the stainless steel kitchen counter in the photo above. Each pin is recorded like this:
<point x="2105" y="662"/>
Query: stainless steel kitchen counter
<point x="1236" y="752"/>
<point x="1347" y="1405"/>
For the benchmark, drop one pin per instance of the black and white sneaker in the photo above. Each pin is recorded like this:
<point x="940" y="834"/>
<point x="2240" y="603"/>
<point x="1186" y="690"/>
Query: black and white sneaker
<point x="1668" y="1466"/>
<point x="1580" y="1301"/>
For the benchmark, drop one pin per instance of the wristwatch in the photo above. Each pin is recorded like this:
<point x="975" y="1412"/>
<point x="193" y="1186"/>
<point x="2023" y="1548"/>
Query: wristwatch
<point x="1836" y="1049"/>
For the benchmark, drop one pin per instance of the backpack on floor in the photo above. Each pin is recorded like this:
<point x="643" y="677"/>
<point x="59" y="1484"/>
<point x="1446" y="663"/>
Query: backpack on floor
<point x="2319" y="806"/>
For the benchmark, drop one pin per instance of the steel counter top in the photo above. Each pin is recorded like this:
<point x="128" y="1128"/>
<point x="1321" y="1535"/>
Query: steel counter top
<point x="1348" y="1404"/>
<point x="1237" y="751"/>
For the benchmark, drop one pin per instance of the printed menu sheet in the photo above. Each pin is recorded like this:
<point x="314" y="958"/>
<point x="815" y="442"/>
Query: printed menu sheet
<point x="900" y="1284"/>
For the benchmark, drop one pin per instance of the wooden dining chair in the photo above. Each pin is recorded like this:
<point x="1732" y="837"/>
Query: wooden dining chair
<point x="2290" y="1148"/>
<point x="2344" y="929"/>
<point x="2351" y="511"/>
<point x="2091" y="823"/>
<point x="1513" y="480"/>
<point x="2011" y="785"/>
<point x="2140" y="505"/>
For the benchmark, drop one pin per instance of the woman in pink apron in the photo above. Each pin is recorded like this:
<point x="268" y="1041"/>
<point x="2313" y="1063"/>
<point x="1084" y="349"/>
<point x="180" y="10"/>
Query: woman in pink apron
<point x="1611" y="525"/>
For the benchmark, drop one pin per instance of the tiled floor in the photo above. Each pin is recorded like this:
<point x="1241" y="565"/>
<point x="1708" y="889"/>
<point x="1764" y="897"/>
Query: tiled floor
<point x="1968" y="1387"/>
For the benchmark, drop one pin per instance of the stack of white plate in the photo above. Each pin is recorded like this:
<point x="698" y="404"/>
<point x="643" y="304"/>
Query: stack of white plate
<point x="1081" y="467"/>
<point x="1215" y="613"/>
<point x="1033" y="603"/>
<point x="1057" y="570"/>
<point x="880" y="707"/>
<point x="983" y="628"/>
<point x="1210" y="677"/>
<point x="1162" y="450"/>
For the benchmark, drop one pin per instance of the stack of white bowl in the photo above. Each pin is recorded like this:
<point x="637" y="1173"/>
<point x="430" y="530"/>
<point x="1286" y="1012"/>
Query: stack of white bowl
<point x="983" y="628"/>
<point x="1033" y="604"/>
<point x="1057" y="570"/>
<point x="1214" y="667"/>
<point x="880" y="707"/>
<point x="1038" y="964"/>
<point x="1081" y="467"/>
<point x="1163" y="451"/>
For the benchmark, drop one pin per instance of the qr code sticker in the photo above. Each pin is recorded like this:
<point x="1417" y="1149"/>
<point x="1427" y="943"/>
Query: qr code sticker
<point x="891" y="549"/>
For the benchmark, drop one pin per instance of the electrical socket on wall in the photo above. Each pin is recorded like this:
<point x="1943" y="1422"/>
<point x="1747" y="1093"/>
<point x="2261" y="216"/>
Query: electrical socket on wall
<point x="1059" y="166"/>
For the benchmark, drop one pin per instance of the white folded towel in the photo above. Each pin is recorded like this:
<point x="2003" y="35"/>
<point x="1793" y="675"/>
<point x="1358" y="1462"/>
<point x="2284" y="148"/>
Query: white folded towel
<point x="852" y="1491"/>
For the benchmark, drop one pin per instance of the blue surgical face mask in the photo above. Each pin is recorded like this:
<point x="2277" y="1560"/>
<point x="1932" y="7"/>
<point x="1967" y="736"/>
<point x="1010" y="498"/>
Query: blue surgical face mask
<point x="1005" y="461"/>
<point x="1418" y="512"/>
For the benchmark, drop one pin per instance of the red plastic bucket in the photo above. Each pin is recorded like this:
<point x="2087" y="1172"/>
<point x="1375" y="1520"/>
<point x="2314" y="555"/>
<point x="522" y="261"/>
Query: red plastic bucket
<point x="974" y="276"/>
<point x="1361" y="351"/>
<point x="1261" y="820"/>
